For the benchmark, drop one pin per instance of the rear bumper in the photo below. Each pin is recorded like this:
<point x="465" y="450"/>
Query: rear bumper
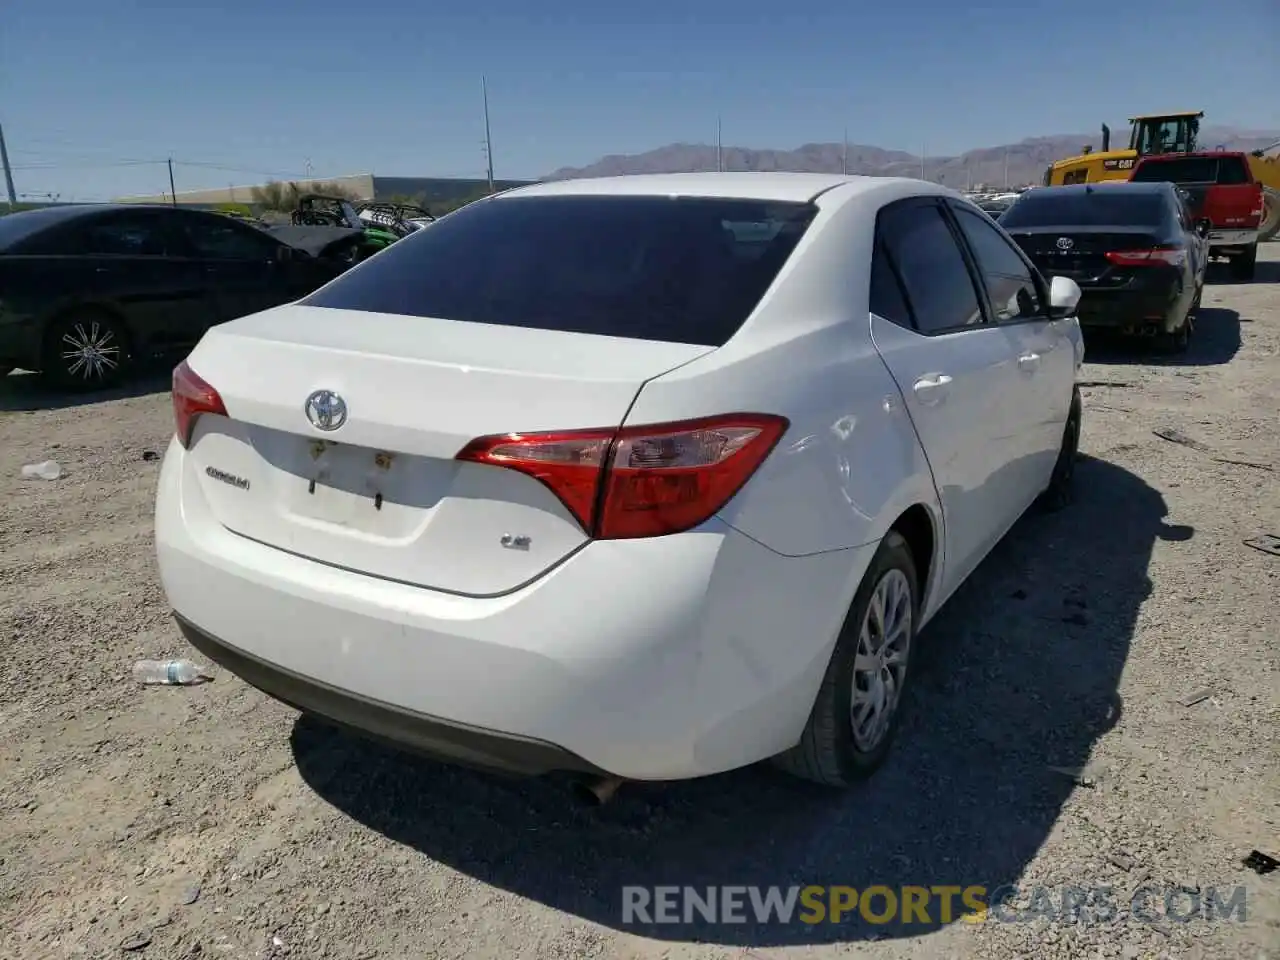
<point x="404" y="728"/>
<point x="1232" y="238"/>
<point x="653" y="659"/>
<point x="1130" y="311"/>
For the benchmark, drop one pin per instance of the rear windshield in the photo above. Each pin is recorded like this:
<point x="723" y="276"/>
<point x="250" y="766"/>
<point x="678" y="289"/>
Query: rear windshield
<point x="683" y="270"/>
<point x="1225" y="170"/>
<point x="17" y="227"/>
<point x="1100" y="207"/>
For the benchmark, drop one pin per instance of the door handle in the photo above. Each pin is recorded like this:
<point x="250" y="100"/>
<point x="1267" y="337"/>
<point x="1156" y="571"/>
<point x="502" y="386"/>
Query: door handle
<point x="1029" y="361"/>
<point x="929" y="387"/>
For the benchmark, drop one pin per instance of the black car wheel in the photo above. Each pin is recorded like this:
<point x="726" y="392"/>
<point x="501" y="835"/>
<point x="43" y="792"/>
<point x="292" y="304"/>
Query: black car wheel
<point x="1060" y="491"/>
<point x="855" y="715"/>
<point x="85" y="350"/>
<point x="1179" y="340"/>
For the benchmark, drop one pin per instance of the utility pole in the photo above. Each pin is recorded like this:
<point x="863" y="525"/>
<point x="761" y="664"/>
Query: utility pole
<point x="173" y="192"/>
<point x="8" y="173"/>
<point x="488" y="140"/>
<point x="1006" y="171"/>
<point x="719" y="149"/>
<point x="844" y="154"/>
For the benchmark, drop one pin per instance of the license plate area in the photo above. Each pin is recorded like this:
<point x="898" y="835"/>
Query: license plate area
<point x="345" y="486"/>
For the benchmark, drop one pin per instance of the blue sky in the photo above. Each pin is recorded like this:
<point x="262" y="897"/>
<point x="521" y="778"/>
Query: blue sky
<point x="393" y="87"/>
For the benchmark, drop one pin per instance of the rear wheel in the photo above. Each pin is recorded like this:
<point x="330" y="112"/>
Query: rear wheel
<point x="855" y="715"/>
<point x="1061" y="483"/>
<point x="1244" y="265"/>
<point x="1270" y="225"/>
<point x="85" y="350"/>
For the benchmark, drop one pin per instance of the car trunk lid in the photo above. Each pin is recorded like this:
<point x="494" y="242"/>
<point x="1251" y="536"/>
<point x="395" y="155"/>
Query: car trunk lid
<point x="381" y="493"/>
<point x="1081" y="253"/>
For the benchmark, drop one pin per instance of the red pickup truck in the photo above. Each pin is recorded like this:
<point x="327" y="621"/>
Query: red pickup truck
<point x="1221" y="190"/>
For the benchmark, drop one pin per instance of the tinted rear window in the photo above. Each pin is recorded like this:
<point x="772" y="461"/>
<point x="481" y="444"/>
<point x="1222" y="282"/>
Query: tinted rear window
<point x="683" y="270"/>
<point x="1101" y="207"/>
<point x="18" y="227"/>
<point x="1193" y="170"/>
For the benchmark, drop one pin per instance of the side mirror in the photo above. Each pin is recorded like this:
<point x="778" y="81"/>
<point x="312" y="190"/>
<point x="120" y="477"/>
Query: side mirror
<point x="284" y="254"/>
<point x="1203" y="226"/>
<point x="1064" y="296"/>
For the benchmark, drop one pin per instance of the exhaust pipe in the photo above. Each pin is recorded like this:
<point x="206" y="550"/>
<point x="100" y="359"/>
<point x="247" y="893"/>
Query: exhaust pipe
<point x="596" y="791"/>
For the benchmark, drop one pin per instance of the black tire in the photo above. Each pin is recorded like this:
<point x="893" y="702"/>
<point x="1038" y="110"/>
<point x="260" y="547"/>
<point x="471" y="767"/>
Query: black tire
<point x="1179" y="341"/>
<point x="1060" y="491"/>
<point x="1244" y="266"/>
<point x="828" y="752"/>
<point x="85" y="350"/>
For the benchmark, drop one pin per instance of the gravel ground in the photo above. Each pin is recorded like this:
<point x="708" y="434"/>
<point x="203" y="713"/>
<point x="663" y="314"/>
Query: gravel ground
<point x="171" y="822"/>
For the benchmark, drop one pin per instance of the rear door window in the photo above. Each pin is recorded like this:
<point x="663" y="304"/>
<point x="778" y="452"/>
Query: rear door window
<point x="684" y="270"/>
<point x="126" y="235"/>
<point x="887" y="299"/>
<point x="938" y="285"/>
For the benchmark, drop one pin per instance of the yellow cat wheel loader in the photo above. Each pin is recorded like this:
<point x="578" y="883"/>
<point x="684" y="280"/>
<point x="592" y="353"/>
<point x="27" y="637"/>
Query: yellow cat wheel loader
<point x="1165" y="133"/>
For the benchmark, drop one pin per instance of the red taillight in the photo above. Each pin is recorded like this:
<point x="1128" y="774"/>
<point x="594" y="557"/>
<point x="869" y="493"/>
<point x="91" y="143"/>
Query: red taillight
<point x="640" y="481"/>
<point x="1154" y="257"/>
<point x="192" y="397"/>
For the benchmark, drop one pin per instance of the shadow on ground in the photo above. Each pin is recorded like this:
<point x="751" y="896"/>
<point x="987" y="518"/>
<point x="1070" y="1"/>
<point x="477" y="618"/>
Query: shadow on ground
<point x="1267" y="271"/>
<point x="1216" y="340"/>
<point x="1019" y="674"/>
<point x="26" y="392"/>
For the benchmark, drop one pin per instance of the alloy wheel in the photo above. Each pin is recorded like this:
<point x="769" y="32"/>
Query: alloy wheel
<point x="880" y="664"/>
<point x="91" y="351"/>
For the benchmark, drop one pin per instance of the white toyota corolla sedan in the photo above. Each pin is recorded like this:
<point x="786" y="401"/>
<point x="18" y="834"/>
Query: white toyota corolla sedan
<point x="642" y="478"/>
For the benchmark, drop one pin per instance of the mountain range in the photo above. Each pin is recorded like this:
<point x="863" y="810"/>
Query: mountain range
<point x="1026" y="159"/>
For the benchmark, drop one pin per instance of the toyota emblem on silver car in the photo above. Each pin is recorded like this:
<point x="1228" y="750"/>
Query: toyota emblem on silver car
<point x="326" y="410"/>
<point x="1065" y="243"/>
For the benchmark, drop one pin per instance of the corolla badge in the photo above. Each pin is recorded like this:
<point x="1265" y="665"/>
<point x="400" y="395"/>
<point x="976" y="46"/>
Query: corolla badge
<point x="326" y="410"/>
<point x="1065" y="243"/>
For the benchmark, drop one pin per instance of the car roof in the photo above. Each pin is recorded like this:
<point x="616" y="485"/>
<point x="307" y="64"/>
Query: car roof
<point x="766" y="186"/>
<point x="1111" y="186"/>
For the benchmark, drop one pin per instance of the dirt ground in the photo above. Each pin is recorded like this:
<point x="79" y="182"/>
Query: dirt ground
<point x="1099" y="706"/>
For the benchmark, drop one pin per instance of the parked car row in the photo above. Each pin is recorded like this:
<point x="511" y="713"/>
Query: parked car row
<point x="1137" y="257"/>
<point x="84" y="289"/>
<point x="1139" y="249"/>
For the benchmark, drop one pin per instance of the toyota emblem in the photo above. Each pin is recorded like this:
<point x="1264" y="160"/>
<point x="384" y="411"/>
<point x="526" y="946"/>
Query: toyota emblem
<point x="326" y="410"/>
<point x="1065" y="243"/>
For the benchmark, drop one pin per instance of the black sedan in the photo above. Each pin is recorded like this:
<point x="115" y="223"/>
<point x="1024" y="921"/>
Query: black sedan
<point x="86" y="288"/>
<point x="1131" y="247"/>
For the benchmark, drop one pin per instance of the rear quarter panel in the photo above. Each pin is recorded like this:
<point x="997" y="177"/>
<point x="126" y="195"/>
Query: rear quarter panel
<point x="850" y="463"/>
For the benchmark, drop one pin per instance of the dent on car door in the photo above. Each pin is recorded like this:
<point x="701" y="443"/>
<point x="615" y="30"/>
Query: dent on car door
<point x="1045" y="356"/>
<point x="138" y="266"/>
<point x="951" y="367"/>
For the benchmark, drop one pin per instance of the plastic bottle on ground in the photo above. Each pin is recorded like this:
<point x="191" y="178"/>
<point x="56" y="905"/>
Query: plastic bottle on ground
<point x="169" y="672"/>
<point x="45" y="470"/>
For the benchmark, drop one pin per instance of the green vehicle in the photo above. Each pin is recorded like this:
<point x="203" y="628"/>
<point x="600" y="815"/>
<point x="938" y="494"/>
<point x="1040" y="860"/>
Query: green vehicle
<point x="317" y="210"/>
